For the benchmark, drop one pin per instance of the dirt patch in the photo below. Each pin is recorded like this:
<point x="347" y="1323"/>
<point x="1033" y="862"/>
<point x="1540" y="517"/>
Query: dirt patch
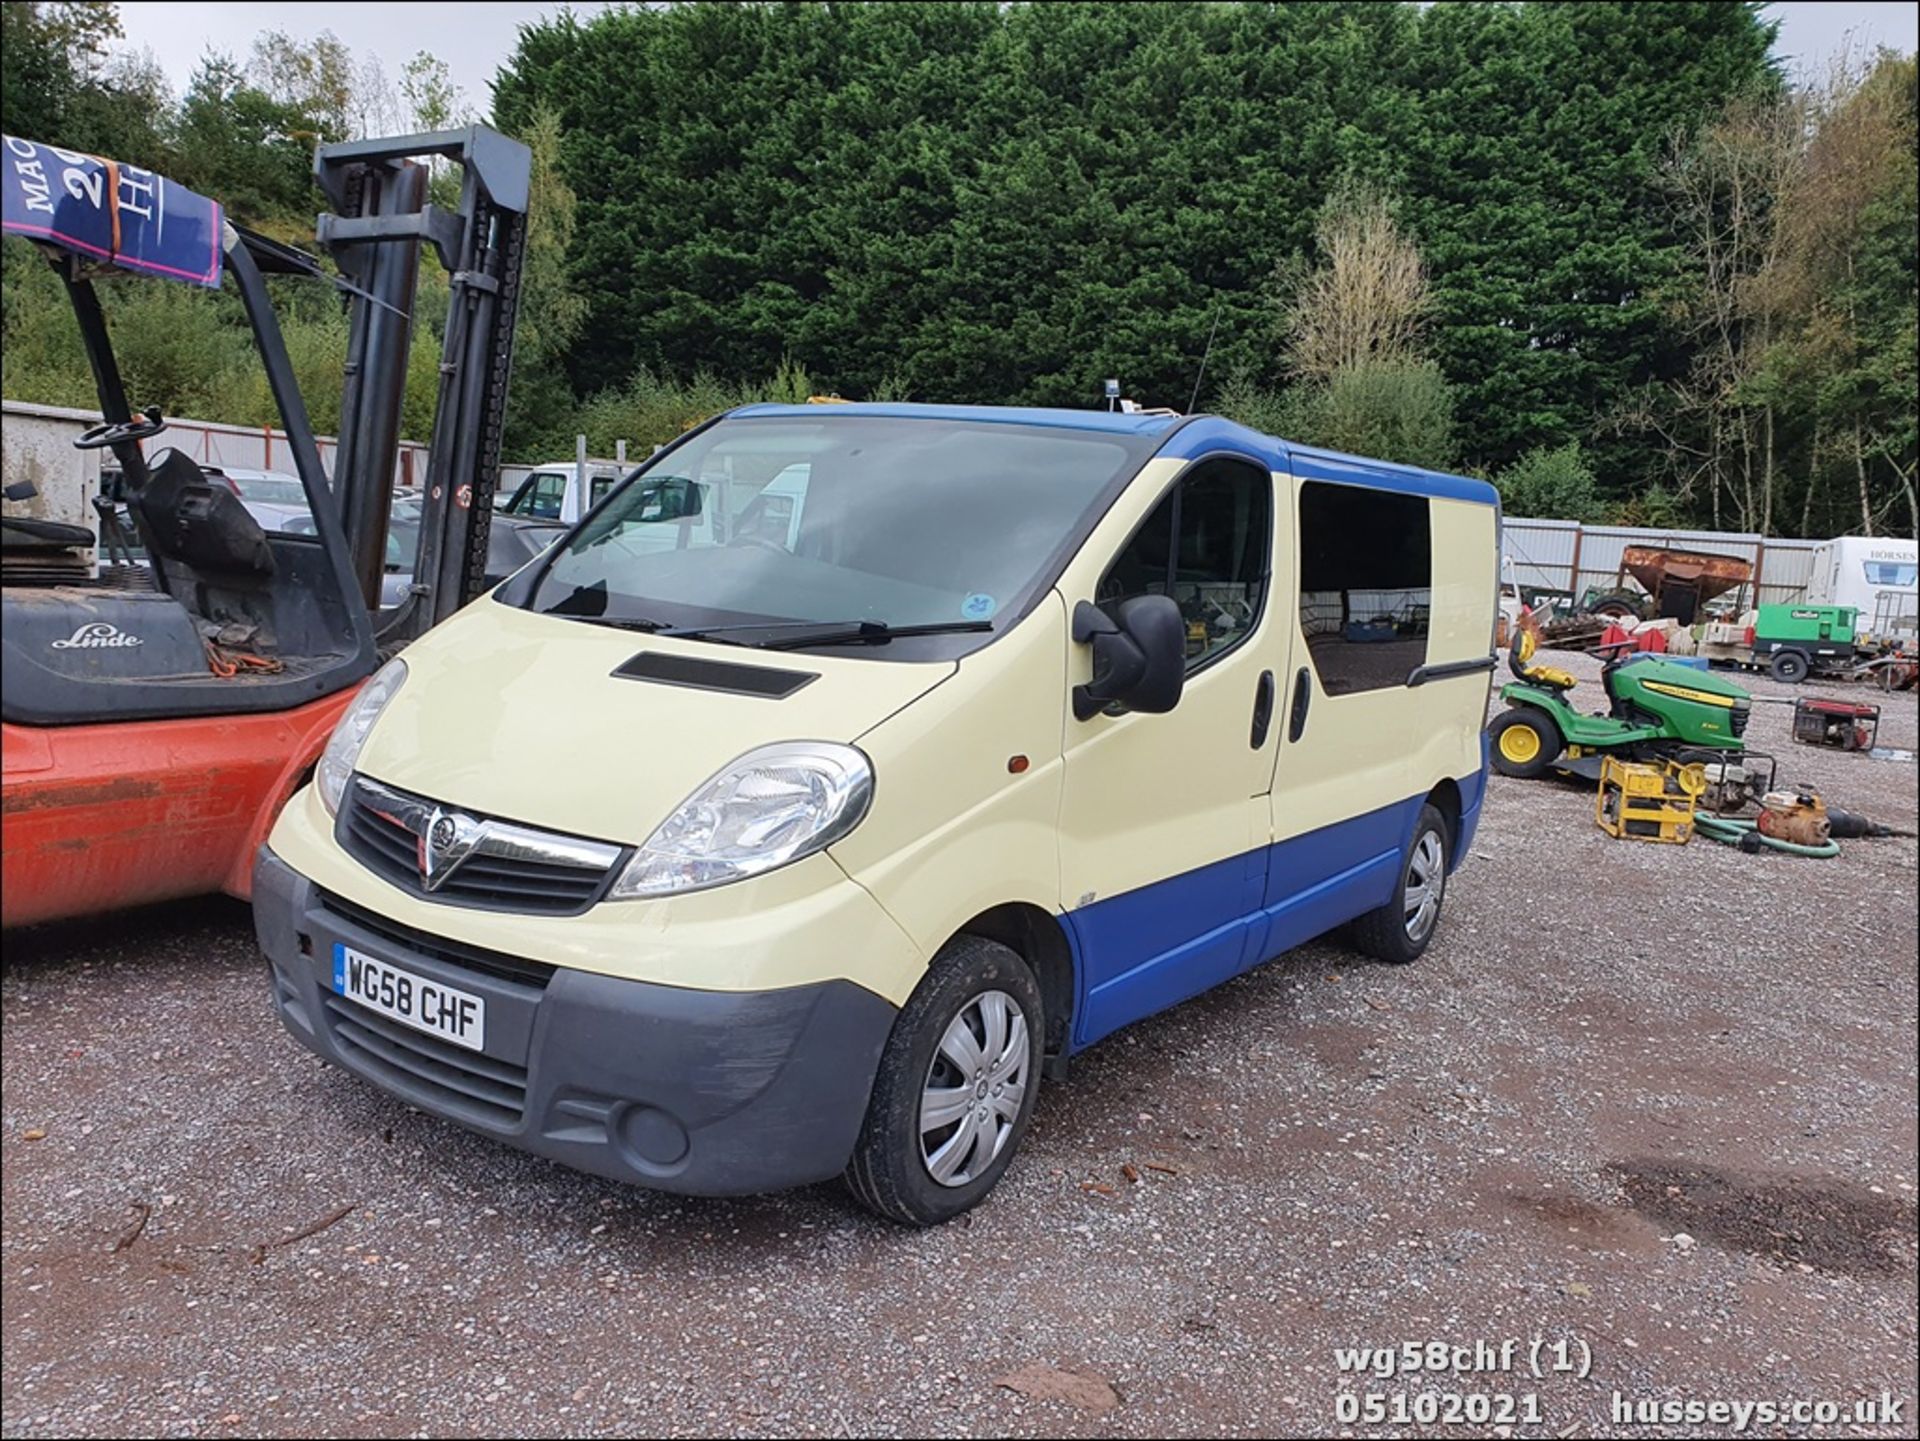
<point x="1610" y="1227"/>
<point x="1828" y="1226"/>
<point x="1041" y="1382"/>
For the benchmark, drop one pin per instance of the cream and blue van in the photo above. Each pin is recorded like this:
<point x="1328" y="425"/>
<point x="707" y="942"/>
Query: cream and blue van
<point x="848" y="768"/>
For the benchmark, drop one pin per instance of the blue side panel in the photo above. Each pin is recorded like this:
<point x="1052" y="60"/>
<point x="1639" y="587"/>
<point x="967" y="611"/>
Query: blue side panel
<point x="1473" y="794"/>
<point x="1327" y="877"/>
<point x="1153" y="947"/>
<point x="1138" y="953"/>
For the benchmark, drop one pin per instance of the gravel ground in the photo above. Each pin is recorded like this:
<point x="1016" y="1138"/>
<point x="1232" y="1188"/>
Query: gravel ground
<point x="1656" y="1103"/>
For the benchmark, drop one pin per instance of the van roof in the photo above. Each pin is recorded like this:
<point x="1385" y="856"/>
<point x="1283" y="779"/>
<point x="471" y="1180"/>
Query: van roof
<point x="1182" y="437"/>
<point x="1110" y="420"/>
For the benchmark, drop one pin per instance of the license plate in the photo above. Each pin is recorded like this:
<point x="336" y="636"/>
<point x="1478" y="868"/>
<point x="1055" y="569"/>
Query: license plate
<point x="412" y="1000"/>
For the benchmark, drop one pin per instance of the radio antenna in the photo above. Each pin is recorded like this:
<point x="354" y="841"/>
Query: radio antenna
<point x="1214" y="330"/>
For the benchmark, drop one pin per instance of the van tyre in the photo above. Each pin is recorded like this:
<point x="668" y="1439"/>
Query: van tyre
<point x="955" y="1087"/>
<point x="1401" y="930"/>
<point x="1790" y="666"/>
<point x="1524" y="742"/>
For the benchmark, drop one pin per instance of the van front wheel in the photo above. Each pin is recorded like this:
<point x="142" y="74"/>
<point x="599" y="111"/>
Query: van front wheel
<point x="1400" y="930"/>
<point x="955" y="1087"/>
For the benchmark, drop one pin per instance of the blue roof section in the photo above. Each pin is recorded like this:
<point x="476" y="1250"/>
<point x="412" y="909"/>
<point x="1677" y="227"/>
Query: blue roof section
<point x="1311" y="463"/>
<point x="1185" y="438"/>
<point x="1208" y="433"/>
<point x="1107" y="420"/>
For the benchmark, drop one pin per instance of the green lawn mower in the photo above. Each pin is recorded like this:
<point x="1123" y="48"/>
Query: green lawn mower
<point x="1657" y="710"/>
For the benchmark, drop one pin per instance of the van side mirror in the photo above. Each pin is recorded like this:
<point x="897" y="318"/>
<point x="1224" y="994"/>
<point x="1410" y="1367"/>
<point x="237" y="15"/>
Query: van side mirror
<point x="1139" y="656"/>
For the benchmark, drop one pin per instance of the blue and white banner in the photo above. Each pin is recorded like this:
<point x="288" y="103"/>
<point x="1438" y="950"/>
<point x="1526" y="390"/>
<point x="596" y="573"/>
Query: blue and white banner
<point x="107" y="211"/>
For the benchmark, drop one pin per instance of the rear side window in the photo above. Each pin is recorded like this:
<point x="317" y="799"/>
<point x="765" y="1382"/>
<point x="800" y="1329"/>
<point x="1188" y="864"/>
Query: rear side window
<point x="1366" y="585"/>
<point x="1890" y="572"/>
<point x="1205" y="545"/>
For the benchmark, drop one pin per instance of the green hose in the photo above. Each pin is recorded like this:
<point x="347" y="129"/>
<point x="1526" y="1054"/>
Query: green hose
<point x="1730" y="831"/>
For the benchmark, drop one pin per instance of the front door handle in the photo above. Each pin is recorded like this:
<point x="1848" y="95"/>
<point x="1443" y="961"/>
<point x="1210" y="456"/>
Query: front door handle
<point x="1302" y="696"/>
<point x="1262" y="708"/>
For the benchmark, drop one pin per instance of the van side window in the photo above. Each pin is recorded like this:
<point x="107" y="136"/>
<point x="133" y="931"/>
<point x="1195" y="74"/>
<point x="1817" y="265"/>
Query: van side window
<point x="1366" y="584"/>
<point x="1206" y="545"/>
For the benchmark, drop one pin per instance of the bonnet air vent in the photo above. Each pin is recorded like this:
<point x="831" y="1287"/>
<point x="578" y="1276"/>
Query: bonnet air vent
<point x="757" y="680"/>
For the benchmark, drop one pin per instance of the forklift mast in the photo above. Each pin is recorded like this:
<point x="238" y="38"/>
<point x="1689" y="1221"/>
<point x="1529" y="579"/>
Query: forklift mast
<point x="381" y="216"/>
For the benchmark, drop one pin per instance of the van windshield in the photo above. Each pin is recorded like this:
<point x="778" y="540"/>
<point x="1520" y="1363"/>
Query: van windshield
<point x="785" y="523"/>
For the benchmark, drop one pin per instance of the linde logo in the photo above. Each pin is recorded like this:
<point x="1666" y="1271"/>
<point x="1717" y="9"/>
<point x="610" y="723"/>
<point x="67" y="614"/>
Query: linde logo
<point x="94" y="634"/>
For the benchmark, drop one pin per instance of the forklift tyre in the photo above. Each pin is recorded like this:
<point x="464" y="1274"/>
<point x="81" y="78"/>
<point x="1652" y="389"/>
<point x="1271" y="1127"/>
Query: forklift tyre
<point x="1524" y="742"/>
<point x="1790" y="666"/>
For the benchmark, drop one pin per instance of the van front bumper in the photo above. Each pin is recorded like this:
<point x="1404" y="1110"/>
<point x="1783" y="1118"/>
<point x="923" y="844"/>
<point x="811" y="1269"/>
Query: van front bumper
<point x="704" y="1092"/>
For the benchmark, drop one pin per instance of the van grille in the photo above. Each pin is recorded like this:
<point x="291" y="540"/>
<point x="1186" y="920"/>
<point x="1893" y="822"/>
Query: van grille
<point x="493" y="1092"/>
<point x="497" y="964"/>
<point x="507" y="867"/>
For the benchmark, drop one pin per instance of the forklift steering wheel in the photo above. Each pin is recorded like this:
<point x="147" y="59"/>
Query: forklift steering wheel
<point x="112" y="432"/>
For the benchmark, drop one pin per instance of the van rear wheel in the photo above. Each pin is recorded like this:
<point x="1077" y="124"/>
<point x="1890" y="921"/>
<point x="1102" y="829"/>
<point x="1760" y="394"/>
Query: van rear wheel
<point x="955" y="1088"/>
<point x="1400" y="931"/>
<point x="1524" y="742"/>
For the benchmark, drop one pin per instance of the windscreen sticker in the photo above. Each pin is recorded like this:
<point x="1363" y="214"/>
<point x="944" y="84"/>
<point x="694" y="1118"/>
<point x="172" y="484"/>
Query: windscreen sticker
<point x="978" y="606"/>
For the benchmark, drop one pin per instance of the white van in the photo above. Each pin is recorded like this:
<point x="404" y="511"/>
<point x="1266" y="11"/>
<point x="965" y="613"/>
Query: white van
<point x="912" y="750"/>
<point x="558" y="491"/>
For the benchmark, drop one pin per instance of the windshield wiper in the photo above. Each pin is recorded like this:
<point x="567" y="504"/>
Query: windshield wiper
<point x="871" y="632"/>
<point x="614" y="622"/>
<point x="832" y="632"/>
<point x="644" y="626"/>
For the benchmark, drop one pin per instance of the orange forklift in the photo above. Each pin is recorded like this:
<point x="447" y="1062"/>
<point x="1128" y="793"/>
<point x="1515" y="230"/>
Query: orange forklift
<point x="155" y="716"/>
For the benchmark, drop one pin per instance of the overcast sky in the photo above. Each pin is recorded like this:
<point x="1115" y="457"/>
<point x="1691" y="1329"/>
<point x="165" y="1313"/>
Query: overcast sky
<point x="474" y="37"/>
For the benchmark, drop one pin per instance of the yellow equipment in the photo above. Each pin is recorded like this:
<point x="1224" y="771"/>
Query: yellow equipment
<point x="1644" y="802"/>
<point x="1546" y="675"/>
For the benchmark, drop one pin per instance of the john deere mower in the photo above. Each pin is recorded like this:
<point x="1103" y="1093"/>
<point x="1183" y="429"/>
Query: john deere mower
<point x="1657" y="710"/>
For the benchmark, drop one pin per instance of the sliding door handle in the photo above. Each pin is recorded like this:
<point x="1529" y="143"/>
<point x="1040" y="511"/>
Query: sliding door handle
<point x="1262" y="709"/>
<point x="1302" y="697"/>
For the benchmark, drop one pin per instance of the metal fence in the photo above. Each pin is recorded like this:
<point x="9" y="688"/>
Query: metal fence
<point x="212" y="442"/>
<point x="1565" y="555"/>
<point x="1551" y="554"/>
<point x="38" y="447"/>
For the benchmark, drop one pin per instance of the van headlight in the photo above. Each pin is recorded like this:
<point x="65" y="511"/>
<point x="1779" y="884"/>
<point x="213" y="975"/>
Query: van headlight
<point x="343" y="748"/>
<point x="771" y="806"/>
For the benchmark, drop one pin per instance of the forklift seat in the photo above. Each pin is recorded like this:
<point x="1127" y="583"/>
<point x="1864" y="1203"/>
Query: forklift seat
<point x="1520" y="662"/>
<point x="195" y="523"/>
<point x="23" y="530"/>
